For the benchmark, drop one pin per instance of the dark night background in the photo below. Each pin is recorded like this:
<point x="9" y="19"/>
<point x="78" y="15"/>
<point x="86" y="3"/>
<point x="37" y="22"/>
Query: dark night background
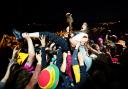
<point x="18" y="13"/>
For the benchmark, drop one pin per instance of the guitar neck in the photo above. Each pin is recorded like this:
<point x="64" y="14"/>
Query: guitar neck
<point x="70" y="27"/>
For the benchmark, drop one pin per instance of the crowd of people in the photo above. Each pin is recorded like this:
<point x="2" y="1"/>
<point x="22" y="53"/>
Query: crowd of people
<point x="76" y="59"/>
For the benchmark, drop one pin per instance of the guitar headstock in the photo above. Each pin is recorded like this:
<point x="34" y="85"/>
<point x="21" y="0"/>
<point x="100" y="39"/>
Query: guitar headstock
<point x="69" y="18"/>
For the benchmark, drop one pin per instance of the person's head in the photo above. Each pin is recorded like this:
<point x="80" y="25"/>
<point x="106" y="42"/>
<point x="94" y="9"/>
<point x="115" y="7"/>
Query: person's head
<point x="84" y="27"/>
<point x="96" y="47"/>
<point x="119" y="49"/>
<point x="114" y="38"/>
<point x="100" y="41"/>
<point x="54" y="48"/>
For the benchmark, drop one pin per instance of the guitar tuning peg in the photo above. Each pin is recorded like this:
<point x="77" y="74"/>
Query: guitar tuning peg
<point x="68" y="14"/>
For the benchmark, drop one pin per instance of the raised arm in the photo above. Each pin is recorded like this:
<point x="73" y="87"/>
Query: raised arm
<point x="63" y="66"/>
<point x="16" y="50"/>
<point x="11" y="62"/>
<point x="59" y="57"/>
<point x="43" y="52"/>
<point x="6" y="76"/>
<point x="31" y="50"/>
<point x="34" y="77"/>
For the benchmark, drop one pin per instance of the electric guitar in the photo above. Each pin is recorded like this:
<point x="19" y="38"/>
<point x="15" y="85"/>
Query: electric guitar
<point x="69" y="20"/>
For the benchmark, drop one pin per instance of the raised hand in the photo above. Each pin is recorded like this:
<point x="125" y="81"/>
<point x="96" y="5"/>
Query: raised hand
<point x="16" y="50"/>
<point x="25" y="35"/>
<point x="77" y="45"/>
<point x="38" y="57"/>
<point x="42" y="40"/>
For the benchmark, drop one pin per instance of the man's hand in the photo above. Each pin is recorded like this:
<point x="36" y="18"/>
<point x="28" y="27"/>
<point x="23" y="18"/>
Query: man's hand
<point x="42" y="40"/>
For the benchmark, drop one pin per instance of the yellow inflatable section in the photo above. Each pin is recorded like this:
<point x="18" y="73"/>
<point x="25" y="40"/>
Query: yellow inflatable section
<point x="21" y="57"/>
